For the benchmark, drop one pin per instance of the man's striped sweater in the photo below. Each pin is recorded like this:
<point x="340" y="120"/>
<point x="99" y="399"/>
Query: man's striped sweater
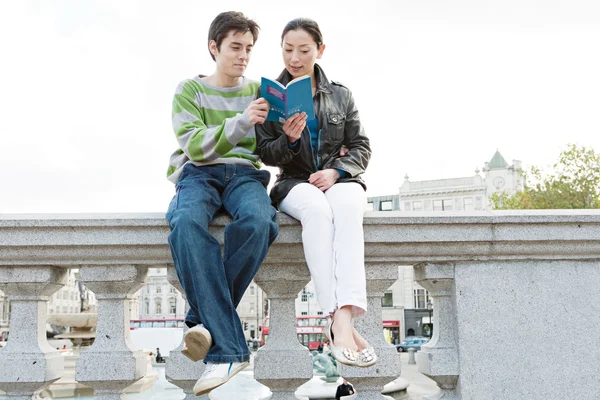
<point x="211" y="126"/>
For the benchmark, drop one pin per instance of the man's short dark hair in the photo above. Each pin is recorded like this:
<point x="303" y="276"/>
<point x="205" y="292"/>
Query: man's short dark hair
<point x="230" y="21"/>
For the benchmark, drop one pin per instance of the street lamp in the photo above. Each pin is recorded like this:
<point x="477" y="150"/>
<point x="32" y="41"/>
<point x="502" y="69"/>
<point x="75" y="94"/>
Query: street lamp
<point x="430" y="309"/>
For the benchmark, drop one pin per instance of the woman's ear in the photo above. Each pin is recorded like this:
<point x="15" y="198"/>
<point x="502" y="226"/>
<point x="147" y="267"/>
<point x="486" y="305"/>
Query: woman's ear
<point x="320" y="51"/>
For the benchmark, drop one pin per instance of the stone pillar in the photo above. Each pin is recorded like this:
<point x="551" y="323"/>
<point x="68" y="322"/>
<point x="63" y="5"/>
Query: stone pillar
<point x="369" y="382"/>
<point x="112" y="364"/>
<point x="283" y="364"/>
<point x="28" y="363"/>
<point x="438" y="359"/>
<point x="180" y="370"/>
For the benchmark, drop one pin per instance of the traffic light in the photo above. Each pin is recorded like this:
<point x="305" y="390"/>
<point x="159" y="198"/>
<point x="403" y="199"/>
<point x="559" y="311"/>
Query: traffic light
<point x="245" y="326"/>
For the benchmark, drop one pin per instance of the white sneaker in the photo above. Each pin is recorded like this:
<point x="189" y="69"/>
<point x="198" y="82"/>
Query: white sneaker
<point x="215" y="375"/>
<point x="197" y="343"/>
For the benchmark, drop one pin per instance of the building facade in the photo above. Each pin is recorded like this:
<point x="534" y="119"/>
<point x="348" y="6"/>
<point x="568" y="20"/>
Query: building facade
<point x="454" y="194"/>
<point x="252" y="310"/>
<point x="73" y="297"/>
<point x="158" y="299"/>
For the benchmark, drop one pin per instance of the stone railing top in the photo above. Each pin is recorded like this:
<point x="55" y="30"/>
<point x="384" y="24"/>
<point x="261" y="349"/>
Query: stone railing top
<point x="371" y="217"/>
<point x="390" y="237"/>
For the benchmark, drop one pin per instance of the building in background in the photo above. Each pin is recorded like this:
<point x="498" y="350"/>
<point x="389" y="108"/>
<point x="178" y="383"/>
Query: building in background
<point x="454" y="194"/>
<point x="73" y="297"/>
<point x="252" y="310"/>
<point x="157" y="299"/>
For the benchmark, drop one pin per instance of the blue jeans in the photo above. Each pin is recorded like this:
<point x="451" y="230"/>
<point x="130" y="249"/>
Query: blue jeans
<point x="215" y="284"/>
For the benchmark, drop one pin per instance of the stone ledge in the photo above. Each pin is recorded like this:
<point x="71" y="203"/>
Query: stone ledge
<point x="390" y="237"/>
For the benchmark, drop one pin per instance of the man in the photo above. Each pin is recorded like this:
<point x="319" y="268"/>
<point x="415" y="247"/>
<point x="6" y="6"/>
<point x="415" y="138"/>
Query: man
<point x="215" y="167"/>
<point x="345" y="389"/>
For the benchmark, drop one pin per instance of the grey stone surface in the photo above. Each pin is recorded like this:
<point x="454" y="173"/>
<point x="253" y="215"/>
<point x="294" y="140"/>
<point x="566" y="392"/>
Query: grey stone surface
<point x="112" y="363"/>
<point x="528" y="330"/>
<point x="66" y="240"/>
<point x="369" y="382"/>
<point x="283" y="364"/>
<point x="180" y="370"/>
<point x="28" y="363"/>
<point x="439" y="358"/>
<point x="524" y="282"/>
<point x="411" y="356"/>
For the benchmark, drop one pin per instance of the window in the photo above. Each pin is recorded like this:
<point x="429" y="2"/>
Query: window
<point x="158" y="307"/>
<point x="468" y="203"/>
<point x="442" y="205"/>
<point x="420" y="297"/>
<point x="158" y="289"/>
<point x="304" y="297"/>
<point x="387" y="299"/>
<point x="251" y="290"/>
<point x="370" y="206"/>
<point x="319" y="312"/>
<point x="417" y="205"/>
<point x="447" y="204"/>
<point x="172" y="306"/>
<point x="303" y="313"/>
<point x="385" y="205"/>
<point x="172" y="290"/>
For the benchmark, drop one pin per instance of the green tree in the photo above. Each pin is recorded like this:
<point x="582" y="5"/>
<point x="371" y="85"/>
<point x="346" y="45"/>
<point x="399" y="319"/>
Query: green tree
<point x="574" y="183"/>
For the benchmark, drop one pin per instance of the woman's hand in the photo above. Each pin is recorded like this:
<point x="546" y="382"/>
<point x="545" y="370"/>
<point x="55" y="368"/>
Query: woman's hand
<point x="324" y="179"/>
<point x="294" y="126"/>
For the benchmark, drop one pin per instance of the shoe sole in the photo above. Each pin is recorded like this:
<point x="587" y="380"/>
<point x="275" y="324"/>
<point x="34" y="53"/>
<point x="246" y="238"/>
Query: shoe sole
<point x="233" y="373"/>
<point x="197" y="345"/>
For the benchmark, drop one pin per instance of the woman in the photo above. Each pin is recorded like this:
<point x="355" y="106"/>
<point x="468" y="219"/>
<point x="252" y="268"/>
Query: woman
<point x="320" y="184"/>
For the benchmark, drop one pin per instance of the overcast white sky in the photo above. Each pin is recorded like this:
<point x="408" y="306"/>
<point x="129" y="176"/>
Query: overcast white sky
<point x="86" y="88"/>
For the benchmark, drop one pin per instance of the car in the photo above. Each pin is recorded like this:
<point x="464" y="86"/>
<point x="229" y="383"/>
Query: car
<point x="411" y="343"/>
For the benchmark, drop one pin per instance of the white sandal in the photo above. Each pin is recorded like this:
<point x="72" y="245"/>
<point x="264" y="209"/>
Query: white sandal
<point x="367" y="357"/>
<point x="343" y="355"/>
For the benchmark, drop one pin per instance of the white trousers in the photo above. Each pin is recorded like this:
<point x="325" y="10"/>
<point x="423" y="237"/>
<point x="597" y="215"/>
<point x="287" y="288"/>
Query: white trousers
<point x="333" y="240"/>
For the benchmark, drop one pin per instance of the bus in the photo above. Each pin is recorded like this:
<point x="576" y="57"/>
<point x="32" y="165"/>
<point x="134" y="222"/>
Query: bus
<point x="156" y="323"/>
<point x="308" y="328"/>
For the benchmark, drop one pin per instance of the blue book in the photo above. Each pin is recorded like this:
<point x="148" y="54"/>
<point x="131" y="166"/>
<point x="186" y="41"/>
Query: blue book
<point x="286" y="101"/>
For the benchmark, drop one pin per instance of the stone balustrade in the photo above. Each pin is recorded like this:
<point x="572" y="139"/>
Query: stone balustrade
<point x="516" y="315"/>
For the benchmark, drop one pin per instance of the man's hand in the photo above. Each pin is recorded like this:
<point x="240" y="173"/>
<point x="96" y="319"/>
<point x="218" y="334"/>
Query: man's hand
<point x="257" y="111"/>
<point x="324" y="179"/>
<point x="294" y="126"/>
<point x="343" y="151"/>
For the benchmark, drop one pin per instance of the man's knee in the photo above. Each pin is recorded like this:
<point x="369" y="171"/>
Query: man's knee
<point x="189" y="220"/>
<point x="260" y="219"/>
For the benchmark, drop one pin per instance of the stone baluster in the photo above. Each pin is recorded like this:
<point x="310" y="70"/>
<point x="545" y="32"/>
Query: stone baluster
<point x="438" y="359"/>
<point x="180" y="370"/>
<point x="28" y="363"/>
<point x="369" y="382"/>
<point x="283" y="364"/>
<point x="112" y="364"/>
